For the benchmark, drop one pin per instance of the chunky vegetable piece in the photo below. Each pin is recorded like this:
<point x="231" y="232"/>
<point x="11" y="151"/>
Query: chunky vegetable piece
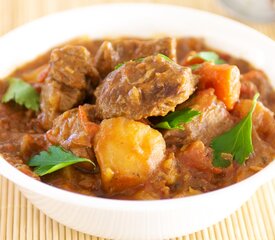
<point x="225" y="79"/>
<point x="127" y="153"/>
<point x="22" y="93"/>
<point x="140" y="89"/>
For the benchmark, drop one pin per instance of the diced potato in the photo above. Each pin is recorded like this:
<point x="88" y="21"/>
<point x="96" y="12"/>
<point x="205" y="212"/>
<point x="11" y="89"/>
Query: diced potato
<point x="127" y="152"/>
<point x="225" y="79"/>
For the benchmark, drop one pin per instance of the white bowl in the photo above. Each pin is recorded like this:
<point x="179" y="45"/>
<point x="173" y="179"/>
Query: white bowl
<point x="136" y="219"/>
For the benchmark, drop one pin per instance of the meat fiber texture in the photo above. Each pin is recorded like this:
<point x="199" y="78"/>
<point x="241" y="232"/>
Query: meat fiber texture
<point x="67" y="82"/>
<point x="140" y="89"/>
<point x="113" y="52"/>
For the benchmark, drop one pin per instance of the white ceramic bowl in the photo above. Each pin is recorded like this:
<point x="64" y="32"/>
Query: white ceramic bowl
<point x="136" y="219"/>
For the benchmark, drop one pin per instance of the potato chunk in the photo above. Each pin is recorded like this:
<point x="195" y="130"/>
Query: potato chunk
<point x="127" y="152"/>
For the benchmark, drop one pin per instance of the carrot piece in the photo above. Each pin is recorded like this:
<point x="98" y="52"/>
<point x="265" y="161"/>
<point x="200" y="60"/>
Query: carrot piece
<point x="224" y="78"/>
<point x="90" y="128"/>
<point x="191" y="60"/>
<point x="37" y="75"/>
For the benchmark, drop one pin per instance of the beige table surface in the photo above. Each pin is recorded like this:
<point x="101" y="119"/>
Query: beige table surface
<point x="19" y="220"/>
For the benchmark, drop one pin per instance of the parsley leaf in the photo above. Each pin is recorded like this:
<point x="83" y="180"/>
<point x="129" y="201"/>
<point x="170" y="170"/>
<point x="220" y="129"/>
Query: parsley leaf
<point x="237" y="141"/>
<point x="207" y="57"/>
<point x="175" y="119"/>
<point x="22" y="93"/>
<point x="195" y="67"/>
<point x="118" y="66"/>
<point x="165" y="57"/>
<point x="54" y="159"/>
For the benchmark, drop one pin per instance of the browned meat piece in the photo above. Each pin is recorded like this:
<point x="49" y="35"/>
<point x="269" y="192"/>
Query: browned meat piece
<point x="70" y="65"/>
<point x="32" y="144"/>
<point x="186" y="45"/>
<point x="106" y="59"/>
<point x="256" y="81"/>
<point x="243" y="65"/>
<point x="57" y="98"/>
<point x="74" y="130"/>
<point x="67" y="83"/>
<point x="213" y="120"/>
<point x="197" y="155"/>
<point x="114" y="52"/>
<point x="152" y="86"/>
<point x="195" y="162"/>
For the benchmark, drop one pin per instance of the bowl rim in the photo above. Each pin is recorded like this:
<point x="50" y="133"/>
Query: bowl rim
<point x="48" y="191"/>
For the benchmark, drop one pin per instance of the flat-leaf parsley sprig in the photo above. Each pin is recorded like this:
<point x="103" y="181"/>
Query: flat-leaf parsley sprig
<point x="176" y="119"/>
<point x="54" y="159"/>
<point x="237" y="141"/>
<point x="22" y="93"/>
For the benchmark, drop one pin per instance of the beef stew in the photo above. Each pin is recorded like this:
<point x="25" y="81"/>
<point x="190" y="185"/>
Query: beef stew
<point x="138" y="118"/>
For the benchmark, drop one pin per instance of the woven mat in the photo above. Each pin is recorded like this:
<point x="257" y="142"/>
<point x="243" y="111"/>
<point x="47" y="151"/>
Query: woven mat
<point x="19" y="220"/>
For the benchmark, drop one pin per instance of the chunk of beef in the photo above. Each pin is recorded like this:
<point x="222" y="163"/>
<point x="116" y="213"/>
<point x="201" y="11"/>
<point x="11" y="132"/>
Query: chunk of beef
<point x="57" y="98"/>
<point x="256" y="81"/>
<point x="106" y="59"/>
<point x="71" y="65"/>
<point x="197" y="155"/>
<point x="32" y="144"/>
<point x="74" y="130"/>
<point x="118" y="51"/>
<point x="213" y="120"/>
<point x="186" y="45"/>
<point x="152" y="86"/>
<point x="195" y="161"/>
<point x="68" y="81"/>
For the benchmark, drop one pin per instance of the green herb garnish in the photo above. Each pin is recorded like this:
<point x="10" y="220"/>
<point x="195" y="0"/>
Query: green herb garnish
<point x="165" y="57"/>
<point x="139" y="59"/>
<point x="237" y="141"/>
<point x="209" y="57"/>
<point x="176" y="119"/>
<point x="22" y="93"/>
<point x="54" y="159"/>
<point x="195" y="67"/>
<point x="119" y="65"/>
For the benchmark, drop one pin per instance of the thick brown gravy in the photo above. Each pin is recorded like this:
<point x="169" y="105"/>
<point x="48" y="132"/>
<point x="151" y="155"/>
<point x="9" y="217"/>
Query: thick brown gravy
<point x="185" y="166"/>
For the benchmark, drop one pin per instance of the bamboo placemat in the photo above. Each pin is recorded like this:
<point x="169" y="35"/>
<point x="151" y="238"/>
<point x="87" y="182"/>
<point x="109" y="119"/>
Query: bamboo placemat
<point x="19" y="220"/>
